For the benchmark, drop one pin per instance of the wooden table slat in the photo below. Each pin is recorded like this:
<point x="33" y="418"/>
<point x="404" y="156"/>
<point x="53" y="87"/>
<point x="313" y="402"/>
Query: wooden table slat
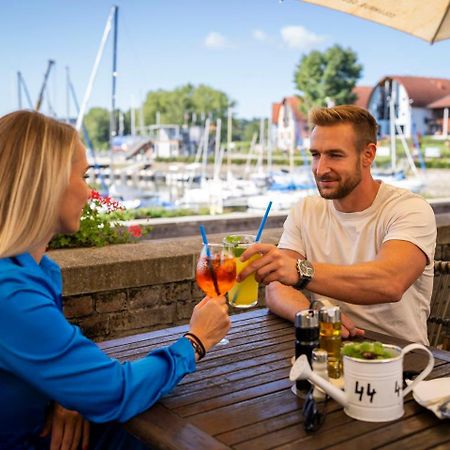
<point x="343" y="433"/>
<point x="242" y="380"/>
<point x="234" y="397"/>
<point x="389" y="432"/>
<point x="255" y="316"/>
<point x="259" y="356"/>
<point x="162" y="428"/>
<point x="433" y="437"/>
<point x="247" y="412"/>
<point x="237" y="380"/>
<point x="236" y="337"/>
<point x="279" y="429"/>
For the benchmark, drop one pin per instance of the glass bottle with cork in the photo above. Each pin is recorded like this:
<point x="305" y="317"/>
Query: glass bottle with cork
<point x="330" y="338"/>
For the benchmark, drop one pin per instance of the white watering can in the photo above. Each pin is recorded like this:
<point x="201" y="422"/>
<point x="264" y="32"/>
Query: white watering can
<point x="373" y="388"/>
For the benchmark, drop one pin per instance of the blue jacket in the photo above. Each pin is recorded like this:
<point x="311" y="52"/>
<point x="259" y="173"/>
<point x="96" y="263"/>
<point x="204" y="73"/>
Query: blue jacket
<point x="43" y="357"/>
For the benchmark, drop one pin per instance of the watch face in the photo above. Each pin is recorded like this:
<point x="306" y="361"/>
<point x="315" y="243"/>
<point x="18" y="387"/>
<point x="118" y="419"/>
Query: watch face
<point x="307" y="269"/>
<point x="305" y="272"/>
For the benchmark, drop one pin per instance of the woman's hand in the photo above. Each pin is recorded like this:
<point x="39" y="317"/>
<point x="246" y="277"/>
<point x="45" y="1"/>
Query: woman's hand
<point x="69" y="429"/>
<point x="210" y="321"/>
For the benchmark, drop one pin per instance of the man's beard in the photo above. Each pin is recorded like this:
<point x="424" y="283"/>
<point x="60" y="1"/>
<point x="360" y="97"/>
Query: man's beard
<point x="343" y="188"/>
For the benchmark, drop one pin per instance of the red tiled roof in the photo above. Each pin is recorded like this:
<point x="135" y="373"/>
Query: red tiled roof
<point x="294" y="103"/>
<point x="422" y="90"/>
<point x="443" y="102"/>
<point x="275" y="111"/>
<point x="362" y="95"/>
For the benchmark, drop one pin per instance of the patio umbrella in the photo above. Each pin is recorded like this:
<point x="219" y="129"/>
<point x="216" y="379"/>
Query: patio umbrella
<point x="428" y="20"/>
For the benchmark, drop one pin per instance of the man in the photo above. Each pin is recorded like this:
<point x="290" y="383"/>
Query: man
<point x="363" y="245"/>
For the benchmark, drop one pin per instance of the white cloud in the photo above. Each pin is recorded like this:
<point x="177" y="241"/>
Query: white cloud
<point x="300" y="38"/>
<point x="216" y="41"/>
<point x="259" y="35"/>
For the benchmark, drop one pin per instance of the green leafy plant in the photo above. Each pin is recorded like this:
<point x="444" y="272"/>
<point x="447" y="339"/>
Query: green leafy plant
<point x="366" y="350"/>
<point x="100" y="226"/>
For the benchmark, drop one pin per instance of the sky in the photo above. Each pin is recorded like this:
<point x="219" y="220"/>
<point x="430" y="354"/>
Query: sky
<point x="248" y="49"/>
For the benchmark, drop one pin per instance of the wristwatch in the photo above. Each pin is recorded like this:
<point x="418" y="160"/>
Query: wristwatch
<point x="305" y="273"/>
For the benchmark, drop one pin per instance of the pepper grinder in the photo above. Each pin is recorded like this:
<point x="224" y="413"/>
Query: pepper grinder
<point x="306" y="340"/>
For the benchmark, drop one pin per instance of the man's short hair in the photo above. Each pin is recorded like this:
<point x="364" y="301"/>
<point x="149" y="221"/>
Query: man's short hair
<point x="363" y="122"/>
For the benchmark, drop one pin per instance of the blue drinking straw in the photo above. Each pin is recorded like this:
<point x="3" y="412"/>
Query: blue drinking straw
<point x="263" y="222"/>
<point x="205" y="241"/>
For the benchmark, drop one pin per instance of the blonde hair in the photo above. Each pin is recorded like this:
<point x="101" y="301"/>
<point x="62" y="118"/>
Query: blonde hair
<point x="36" y="154"/>
<point x="363" y="122"/>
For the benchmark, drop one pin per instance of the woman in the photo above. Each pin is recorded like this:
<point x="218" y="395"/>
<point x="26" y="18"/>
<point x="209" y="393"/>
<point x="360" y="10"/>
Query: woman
<point x="45" y="360"/>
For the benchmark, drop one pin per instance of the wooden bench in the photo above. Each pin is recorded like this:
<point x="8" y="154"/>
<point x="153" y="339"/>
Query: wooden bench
<point x="439" y="319"/>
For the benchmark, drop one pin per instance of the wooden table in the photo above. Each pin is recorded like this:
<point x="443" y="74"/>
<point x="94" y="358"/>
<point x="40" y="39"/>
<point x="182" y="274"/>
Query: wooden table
<point x="240" y="397"/>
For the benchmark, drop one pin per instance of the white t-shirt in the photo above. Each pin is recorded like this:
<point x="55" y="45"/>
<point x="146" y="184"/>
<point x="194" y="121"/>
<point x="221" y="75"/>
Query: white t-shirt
<point x="316" y="230"/>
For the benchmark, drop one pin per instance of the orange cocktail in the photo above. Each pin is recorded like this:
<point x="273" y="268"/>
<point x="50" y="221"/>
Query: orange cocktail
<point x="216" y="270"/>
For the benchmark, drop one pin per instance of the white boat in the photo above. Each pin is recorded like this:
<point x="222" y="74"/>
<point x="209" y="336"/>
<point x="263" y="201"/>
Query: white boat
<point x="281" y="201"/>
<point x="414" y="183"/>
<point x="285" y="180"/>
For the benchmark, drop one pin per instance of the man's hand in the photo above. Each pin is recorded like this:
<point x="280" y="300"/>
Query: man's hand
<point x="274" y="265"/>
<point x="349" y="328"/>
<point x="69" y="429"/>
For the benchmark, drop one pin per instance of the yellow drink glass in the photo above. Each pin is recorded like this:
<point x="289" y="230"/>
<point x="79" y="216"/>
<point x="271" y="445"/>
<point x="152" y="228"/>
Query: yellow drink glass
<point x="243" y="294"/>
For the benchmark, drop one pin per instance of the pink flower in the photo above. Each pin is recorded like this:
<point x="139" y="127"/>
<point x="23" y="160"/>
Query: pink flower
<point x="135" y="231"/>
<point x="110" y="204"/>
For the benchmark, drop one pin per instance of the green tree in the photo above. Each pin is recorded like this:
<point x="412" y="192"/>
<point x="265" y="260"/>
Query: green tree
<point x="97" y="123"/>
<point x="328" y="76"/>
<point x="244" y="129"/>
<point x="185" y="102"/>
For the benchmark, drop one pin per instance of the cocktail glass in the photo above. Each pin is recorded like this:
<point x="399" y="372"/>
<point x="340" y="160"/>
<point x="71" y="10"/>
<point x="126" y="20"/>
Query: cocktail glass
<point x="244" y="294"/>
<point x="216" y="271"/>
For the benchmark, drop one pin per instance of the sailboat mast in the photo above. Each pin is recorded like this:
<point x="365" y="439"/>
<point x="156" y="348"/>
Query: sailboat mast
<point x="94" y="70"/>
<point x="19" y="90"/>
<point x="229" y="137"/>
<point x="217" y="159"/>
<point x="133" y="117"/>
<point x="269" y="146"/>
<point x="21" y="85"/>
<point x="392" y="130"/>
<point x="113" y="125"/>
<point x="261" y="145"/>
<point x="51" y="63"/>
<point x="67" y="95"/>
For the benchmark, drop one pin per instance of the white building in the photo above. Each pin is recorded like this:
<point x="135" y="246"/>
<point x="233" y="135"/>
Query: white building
<point x="291" y="124"/>
<point x="416" y="103"/>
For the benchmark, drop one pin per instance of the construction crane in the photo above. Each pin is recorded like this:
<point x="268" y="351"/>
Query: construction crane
<point x="51" y="63"/>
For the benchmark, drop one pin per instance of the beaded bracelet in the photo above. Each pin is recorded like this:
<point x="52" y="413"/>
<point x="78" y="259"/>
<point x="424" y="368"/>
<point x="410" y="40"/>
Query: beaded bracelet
<point x="196" y="344"/>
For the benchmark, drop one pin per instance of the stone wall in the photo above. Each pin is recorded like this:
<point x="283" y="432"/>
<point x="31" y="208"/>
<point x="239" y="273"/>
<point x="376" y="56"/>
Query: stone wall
<point x="126" y="289"/>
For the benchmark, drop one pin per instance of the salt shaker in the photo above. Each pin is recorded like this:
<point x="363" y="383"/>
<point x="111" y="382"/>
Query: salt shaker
<point x="320" y="367"/>
<point x="330" y="338"/>
<point x="306" y="340"/>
